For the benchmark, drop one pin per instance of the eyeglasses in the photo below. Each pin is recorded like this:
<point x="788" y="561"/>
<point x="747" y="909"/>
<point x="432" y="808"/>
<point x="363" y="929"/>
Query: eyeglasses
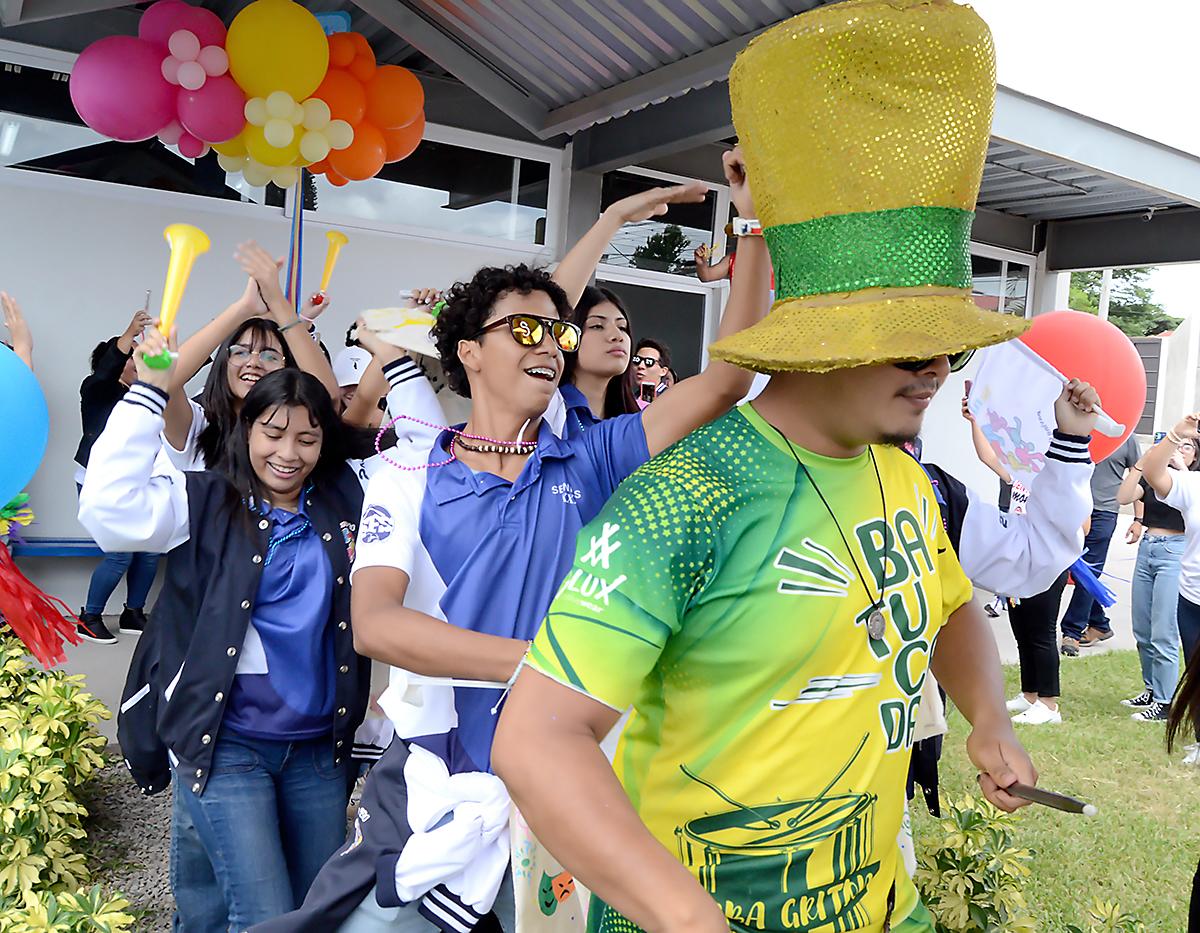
<point x="529" y="330"/>
<point x="957" y="362"/>
<point x="240" y="355"/>
<point x="645" y="361"/>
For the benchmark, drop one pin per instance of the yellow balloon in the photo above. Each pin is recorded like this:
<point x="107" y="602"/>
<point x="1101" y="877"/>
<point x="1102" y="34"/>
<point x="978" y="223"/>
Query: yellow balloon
<point x="262" y="151"/>
<point x="277" y="45"/>
<point x="234" y="147"/>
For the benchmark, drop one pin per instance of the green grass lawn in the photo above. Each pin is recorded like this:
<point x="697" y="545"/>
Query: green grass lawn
<point x="1141" y="851"/>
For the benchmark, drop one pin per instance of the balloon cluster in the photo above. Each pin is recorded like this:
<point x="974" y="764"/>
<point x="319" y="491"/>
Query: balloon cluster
<point x="271" y="95"/>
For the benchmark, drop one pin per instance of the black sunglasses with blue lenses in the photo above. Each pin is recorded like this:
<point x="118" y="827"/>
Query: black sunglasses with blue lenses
<point x="957" y="362"/>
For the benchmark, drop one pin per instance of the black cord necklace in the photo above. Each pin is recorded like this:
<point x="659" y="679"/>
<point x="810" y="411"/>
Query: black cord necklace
<point x="875" y="621"/>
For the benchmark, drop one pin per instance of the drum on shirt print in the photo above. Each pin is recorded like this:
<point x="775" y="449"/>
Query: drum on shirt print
<point x="800" y="864"/>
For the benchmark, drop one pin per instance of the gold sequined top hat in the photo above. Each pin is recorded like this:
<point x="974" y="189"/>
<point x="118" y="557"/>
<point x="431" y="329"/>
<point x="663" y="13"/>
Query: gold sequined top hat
<point x="864" y="126"/>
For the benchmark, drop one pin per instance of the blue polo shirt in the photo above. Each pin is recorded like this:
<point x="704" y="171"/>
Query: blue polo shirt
<point x="284" y="688"/>
<point x="579" y="412"/>
<point x="488" y="555"/>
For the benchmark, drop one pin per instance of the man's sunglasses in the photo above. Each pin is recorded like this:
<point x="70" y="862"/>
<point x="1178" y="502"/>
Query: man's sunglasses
<point x="957" y="362"/>
<point x="529" y="330"/>
<point x="645" y="361"/>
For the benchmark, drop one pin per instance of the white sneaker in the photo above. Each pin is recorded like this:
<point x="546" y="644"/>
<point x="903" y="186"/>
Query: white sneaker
<point x="1193" y="754"/>
<point x="1039" y="714"/>
<point x="1018" y="704"/>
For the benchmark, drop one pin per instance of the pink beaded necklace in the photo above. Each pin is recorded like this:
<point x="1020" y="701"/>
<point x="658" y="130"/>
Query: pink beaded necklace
<point x="531" y="445"/>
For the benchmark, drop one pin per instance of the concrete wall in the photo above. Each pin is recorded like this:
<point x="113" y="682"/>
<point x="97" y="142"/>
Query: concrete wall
<point x="79" y="257"/>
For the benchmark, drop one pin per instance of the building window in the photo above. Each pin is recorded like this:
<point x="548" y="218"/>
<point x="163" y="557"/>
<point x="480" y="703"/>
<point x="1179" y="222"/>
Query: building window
<point x="1000" y="284"/>
<point x="40" y="132"/>
<point x="659" y="245"/>
<point x="452" y="189"/>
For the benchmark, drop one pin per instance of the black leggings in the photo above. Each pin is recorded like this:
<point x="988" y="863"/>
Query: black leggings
<point x="1035" y="626"/>
<point x="1189" y="634"/>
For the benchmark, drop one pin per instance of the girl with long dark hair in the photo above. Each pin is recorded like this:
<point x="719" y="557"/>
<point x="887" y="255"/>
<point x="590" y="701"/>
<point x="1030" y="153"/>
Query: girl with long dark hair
<point x="245" y="690"/>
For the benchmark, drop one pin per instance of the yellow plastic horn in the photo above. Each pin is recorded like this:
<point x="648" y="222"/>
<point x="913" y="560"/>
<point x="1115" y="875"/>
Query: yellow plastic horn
<point x="186" y="242"/>
<point x="337" y="240"/>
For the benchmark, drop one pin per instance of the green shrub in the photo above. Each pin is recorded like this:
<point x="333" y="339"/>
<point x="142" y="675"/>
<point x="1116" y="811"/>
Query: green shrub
<point x="49" y="748"/>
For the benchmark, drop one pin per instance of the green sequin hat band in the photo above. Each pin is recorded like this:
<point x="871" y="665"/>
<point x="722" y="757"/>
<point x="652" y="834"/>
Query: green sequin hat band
<point x="903" y="248"/>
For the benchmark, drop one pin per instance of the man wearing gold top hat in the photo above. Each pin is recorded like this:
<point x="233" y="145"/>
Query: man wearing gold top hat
<point x="767" y="594"/>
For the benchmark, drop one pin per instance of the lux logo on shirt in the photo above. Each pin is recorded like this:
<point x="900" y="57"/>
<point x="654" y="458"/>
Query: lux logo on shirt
<point x="601" y="549"/>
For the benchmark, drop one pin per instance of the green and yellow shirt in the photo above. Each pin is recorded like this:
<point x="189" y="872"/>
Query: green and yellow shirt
<point x="770" y="734"/>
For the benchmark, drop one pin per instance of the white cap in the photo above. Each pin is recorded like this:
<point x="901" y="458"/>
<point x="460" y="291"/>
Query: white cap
<point x="349" y="366"/>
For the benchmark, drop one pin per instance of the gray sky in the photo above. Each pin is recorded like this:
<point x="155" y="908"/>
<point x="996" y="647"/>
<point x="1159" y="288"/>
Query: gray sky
<point x="1131" y="64"/>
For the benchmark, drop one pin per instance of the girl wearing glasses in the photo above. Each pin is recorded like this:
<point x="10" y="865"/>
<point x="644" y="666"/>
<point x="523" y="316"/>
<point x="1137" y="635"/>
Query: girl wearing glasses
<point x="256" y="335"/>
<point x="245" y="691"/>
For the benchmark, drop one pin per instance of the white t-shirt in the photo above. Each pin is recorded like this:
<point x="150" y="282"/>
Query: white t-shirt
<point x="1185" y="496"/>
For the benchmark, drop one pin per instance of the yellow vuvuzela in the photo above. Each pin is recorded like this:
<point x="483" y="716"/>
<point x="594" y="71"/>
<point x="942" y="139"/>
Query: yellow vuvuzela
<point x="186" y="242"/>
<point x="337" y="240"/>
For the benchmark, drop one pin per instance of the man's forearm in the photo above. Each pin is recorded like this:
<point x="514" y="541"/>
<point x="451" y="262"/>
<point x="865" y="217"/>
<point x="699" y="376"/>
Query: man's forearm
<point x="967" y="664"/>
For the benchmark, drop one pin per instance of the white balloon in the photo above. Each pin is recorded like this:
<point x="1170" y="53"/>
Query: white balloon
<point x="192" y="76"/>
<point x="280" y="104"/>
<point x="297" y="115"/>
<point x="231" y="164"/>
<point x="285" y="176"/>
<point x="256" y="111"/>
<point x="340" y="134"/>
<point x="316" y="114"/>
<point x="257" y="174"/>
<point x="214" y="60"/>
<point x="314" y="146"/>
<point x="184" y="45"/>
<point x="171" y="133"/>
<point x="170" y="69"/>
<point x="279" y="133"/>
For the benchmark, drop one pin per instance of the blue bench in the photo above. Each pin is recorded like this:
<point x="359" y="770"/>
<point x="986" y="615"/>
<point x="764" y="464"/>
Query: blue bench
<point x="56" y="547"/>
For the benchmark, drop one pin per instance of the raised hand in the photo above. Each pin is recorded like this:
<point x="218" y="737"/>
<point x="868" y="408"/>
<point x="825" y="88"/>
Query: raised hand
<point x="138" y="323"/>
<point x="370" y="341"/>
<point x="655" y="202"/>
<point x="734" y="164"/>
<point x="263" y="270"/>
<point x="1076" y="408"/>
<point x="1189" y="426"/>
<point x="19" y="334"/>
<point x="152" y="345"/>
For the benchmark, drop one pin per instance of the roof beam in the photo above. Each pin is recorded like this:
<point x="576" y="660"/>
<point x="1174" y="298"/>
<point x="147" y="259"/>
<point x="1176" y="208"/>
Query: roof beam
<point x="1123" y="240"/>
<point x="18" y="12"/>
<point x="1061" y="134"/>
<point x="680" y="123"/>
<point x="470" y="69"/>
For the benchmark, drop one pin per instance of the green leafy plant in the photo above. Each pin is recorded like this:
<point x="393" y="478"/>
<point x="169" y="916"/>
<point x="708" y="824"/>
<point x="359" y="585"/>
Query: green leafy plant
<point x="1107" y="917"/>
<point x="49" y="748"/>
<point x="971" y="880"/>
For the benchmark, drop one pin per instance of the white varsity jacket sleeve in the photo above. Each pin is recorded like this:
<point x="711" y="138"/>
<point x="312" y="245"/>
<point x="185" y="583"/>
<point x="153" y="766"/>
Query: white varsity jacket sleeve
<point x="1021" y="555"/>
<point x="410" y="393"/>
<point x="126" y="503"/>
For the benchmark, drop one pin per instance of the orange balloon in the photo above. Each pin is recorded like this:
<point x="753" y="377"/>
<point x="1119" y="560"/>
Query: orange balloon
<point x="342" y="50"/>
<point x="403" y="140"/>
<point x="319" y="168"/>
<point x="364" y="157"/>
<point x="363" y="68"/>
<point x="335" y="179"/>
<point x="394" y="97"/>
<point x="344" y="94"/>
<point x="361" y="43"/>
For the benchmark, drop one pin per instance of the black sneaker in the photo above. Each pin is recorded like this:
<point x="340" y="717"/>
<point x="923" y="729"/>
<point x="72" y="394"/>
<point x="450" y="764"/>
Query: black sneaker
<point x="1141" y="701"/>
<point x="92" y="628"/>
<point x="1155" y="712"/>
<point x="133" y="621"/>
<point x="991" y="612"/>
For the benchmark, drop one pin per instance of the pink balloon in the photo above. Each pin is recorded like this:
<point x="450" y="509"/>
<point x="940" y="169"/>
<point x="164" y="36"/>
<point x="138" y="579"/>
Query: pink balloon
<point x="191" y="76"/>
<point x="214" y="113"/>
<point x="168" y="16"/>
<point x="171" y="133"/>
<point x="214" y="60"/>
<point x="190" y="146"/>
<point x="118" y="89"/>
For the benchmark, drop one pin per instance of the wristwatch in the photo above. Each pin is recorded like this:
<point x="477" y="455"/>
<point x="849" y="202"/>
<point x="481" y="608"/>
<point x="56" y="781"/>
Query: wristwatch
<point x="746" y="226"/>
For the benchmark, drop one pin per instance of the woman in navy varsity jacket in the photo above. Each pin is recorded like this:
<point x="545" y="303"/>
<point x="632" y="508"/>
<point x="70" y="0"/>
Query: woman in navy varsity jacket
<point x="245" y="691"/>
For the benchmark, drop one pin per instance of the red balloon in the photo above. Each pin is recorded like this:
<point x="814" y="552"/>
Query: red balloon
<point x="344" y="94"/>
<point x="1081" y="346"/>
<point x="394" y="97"/>
<point x="402" y="141"/>
<point x="364" y="157"/>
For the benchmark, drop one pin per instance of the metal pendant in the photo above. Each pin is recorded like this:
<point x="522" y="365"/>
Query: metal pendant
<point x="875" y="624"/>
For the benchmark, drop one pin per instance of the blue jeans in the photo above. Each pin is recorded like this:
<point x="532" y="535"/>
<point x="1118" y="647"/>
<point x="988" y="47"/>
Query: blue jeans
<point x="1189" y="636"/>
<point x="106" y="576"/>
<point x="199" y="903"/>
<point x="271" y="814"/>
<point x="1083" y="610"/>
<point x="1155" y="608"/>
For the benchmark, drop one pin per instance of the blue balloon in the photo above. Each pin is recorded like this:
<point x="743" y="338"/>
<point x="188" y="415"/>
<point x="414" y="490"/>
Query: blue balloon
<point x="24" y="425"/>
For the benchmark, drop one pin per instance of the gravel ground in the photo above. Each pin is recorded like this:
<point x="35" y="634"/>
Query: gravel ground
<point x="127" y="845"/>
